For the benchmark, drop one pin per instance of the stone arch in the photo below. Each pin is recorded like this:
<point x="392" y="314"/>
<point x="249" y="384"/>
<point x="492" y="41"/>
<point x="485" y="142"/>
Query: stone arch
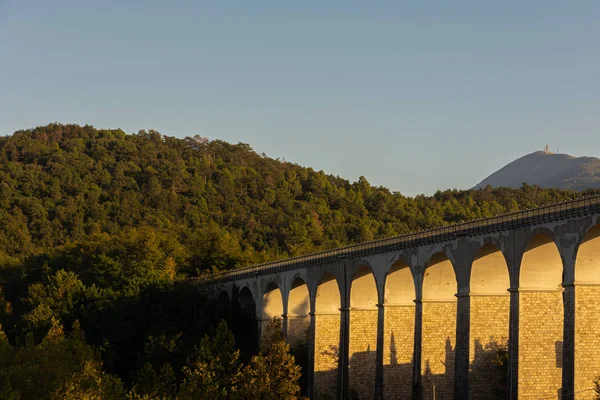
<point x="328" y="298"/>
<point x="327" y="335"/>
<point x="587" y="261"/>
<point x="399" y="284"/>
<point x="541" y="264"/>
<point x="243" y="322"/>
<point x="363" y="289"/>
<point x="538" y="231"/>
<point x="363" y="332"/>
<point x="399" y="330"/>
<point x="298" y="311"/>
<point x="439" y="326"/>
<point x="489" y="271"/>
<point x="223" y="305"/>
<point x="223" y="295"/>
<point x="272" y="305"/>
<point x="587" y="297"/>
<point x="439" y="279"/>
<point x="246" y="301"/>
<point x="489" y="322"/>
<point x="541" y="316"/>
<point x="298" y="300"/>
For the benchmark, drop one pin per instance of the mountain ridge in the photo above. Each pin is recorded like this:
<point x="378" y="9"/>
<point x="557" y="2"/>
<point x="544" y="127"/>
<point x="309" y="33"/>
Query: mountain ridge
<point x="547" y="170"/>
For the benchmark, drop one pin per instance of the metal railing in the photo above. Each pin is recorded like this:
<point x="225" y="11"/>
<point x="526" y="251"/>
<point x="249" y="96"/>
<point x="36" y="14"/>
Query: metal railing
<point x="547" y="213"/>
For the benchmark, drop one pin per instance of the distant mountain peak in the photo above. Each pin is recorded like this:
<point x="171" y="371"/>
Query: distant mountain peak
<point x="548" y="170"/>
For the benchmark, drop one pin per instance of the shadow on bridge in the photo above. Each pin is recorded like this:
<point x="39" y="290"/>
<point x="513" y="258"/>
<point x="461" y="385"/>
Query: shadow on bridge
<point x="489" y="365"/>
<point x="489" y="369"/>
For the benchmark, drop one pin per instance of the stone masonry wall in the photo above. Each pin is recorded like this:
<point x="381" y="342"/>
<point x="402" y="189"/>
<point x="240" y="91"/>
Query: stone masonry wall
<point x="297" y="328"/>
<point x="437" y="353"/>
<point x="398" y="348"/>
<point x="488" y="333"/>
<point x="362" y="353"/>
<point x="327" y="339"/>
<point x="540" y="344"/>
<point x="587" y="339"/>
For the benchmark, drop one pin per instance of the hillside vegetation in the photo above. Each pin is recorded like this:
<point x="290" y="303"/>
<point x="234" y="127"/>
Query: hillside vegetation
<point x="206" y="204"/>
<point x="100" y="229"/>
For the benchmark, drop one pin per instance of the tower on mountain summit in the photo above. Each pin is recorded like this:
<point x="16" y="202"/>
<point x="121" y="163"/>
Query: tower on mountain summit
<point x="547" y="149"/>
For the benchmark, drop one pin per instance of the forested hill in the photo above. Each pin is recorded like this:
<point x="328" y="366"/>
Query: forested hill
<point x="203" y="204"/>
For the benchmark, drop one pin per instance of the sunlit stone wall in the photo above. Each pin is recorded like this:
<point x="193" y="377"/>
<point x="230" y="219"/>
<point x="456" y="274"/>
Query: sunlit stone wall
<point x="587" y="339"/>
<point x="327" y="338"/>
<point x="362" y="352"/>
<point x="540" y="344"/>
<point x="439" y="342"/>
<point x="488" y="335"/>
<point x="398" y="351"/>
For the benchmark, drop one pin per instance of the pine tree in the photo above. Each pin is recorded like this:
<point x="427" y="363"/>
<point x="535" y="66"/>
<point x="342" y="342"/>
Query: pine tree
<point x="273" y="373"/>
<point x="213" y="372"/>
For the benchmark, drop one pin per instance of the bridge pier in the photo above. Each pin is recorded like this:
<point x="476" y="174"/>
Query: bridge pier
<point x="311" y="355"/>
<point x="461" y="366"/>
<point x="417" y="390"/>
<point x="284" y="325"/>
<point x="513" y="346"/>
<point x="344" y="350"/>
<point x="379" y="352"/>
<point x="568" y="377"/>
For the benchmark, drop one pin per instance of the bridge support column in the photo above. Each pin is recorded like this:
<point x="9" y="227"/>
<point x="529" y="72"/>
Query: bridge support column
<point x="262" y="326"/>
<point x="379" y="352"/>
<point x="284" y="325"/>
<point x="417" y="389"/>
<point x="344" y="350"/>
<point x="461" y="368"/>
<point x="513" y="346"/>
<point x="568" y="361"/>
<point x="310" y="382"/>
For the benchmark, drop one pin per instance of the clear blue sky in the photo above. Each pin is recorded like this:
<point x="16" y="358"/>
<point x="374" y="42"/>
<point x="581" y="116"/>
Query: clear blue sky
<point x="415" y="96"/>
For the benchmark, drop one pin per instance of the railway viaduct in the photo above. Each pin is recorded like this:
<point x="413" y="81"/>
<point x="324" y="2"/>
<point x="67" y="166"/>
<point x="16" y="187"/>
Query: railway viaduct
<point x="402" y="317"/>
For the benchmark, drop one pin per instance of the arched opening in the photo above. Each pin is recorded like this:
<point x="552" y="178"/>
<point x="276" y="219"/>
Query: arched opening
<point x="439" y="327"/>
<point x="327" y="336"/>
<point x="246" y="302"/>
<point x="272" y="306"/>
<point x="540" y="319"/>
<point x="398" y="340"/>
<point x="298" y="326"/>
<point x="363" y="333"/>
<point x="587" y="322"/>
<point x="298" y="310"/>
<point x="223" y="297"/>
<point x="243" y="322"/>
<point x="489" y="321"/>
<point x="223" y="306"/>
